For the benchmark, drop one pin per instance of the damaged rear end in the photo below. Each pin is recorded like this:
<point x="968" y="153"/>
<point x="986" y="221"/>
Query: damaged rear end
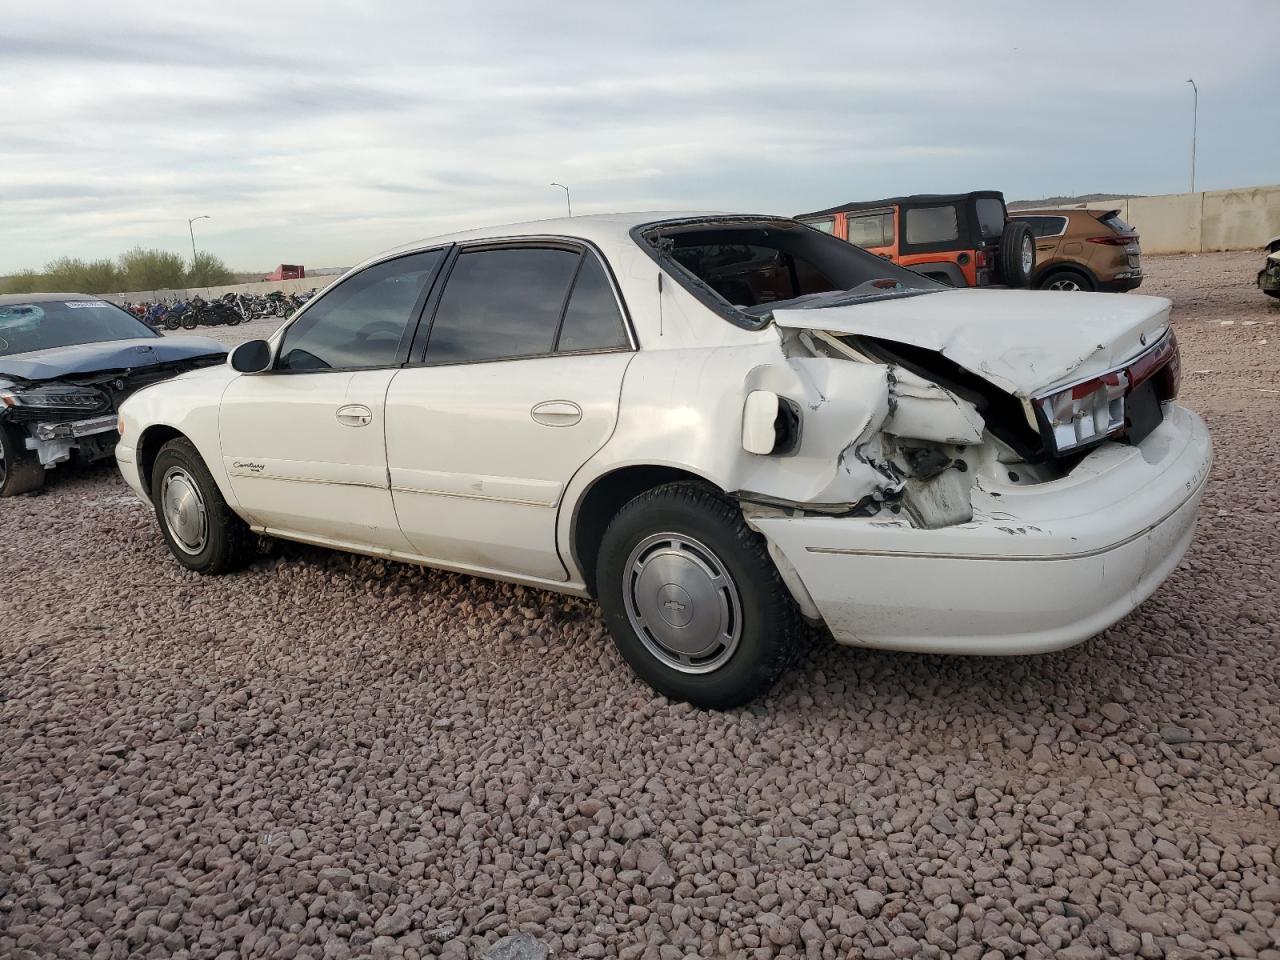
<point x="981" y="472"/>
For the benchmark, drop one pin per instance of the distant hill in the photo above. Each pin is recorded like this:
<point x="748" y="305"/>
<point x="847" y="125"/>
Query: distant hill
<point x="1069" y="201"/>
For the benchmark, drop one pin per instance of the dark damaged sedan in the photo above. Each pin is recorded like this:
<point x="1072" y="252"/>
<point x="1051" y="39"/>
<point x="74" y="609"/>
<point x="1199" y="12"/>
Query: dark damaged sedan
<point x="67" y="361"/>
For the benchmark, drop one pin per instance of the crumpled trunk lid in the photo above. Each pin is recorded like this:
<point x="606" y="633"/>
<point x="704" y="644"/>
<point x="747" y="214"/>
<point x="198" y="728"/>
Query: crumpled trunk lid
<point x="1022" y="341"/>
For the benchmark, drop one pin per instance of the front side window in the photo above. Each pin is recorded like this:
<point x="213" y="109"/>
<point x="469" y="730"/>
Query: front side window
<point x="501" y="303"/>
<point x="871" y="230"/>
<point x="362" y="321"/>
<point x="932" y="225"/>
<point x="826" y="224"/>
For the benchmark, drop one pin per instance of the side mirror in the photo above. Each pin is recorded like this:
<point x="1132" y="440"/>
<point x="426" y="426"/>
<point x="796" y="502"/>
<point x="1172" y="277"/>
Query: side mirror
<point x="252" y="356"/>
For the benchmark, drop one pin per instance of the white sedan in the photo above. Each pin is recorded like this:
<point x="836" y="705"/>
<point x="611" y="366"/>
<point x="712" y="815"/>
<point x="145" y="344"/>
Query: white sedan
<point x="721" y="427"/>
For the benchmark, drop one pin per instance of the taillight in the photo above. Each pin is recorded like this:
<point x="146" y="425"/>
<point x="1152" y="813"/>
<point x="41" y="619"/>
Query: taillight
<point x="982" y="259"/>
<point x="1086" y="412"/>
<point x="1094" y="409"/>
<point x="1112" y="241"/>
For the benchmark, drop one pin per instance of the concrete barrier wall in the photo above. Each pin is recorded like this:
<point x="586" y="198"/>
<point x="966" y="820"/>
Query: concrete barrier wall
<point x="210" y="293"/>
<point x="1243" y="219"/>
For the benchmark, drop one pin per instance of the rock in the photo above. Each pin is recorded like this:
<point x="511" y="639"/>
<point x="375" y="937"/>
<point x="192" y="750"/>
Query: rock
<point x="869" y="902"/>
<point x="517" y="946"/>
<point x="1114" y="712"/>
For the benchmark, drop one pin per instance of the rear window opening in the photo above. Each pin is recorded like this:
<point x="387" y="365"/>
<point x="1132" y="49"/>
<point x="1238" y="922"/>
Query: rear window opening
<point x="737" y="267"/>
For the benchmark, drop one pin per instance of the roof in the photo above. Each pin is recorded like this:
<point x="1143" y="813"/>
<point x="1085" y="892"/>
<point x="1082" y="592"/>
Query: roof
<point x="8" y="299"/>
<point x="598" y="227"/>
<point x="1064" y="212"/>
<point x="915" y="199"/>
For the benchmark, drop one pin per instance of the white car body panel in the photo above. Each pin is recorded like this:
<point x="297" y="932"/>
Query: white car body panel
<point x="454" y="470"/>
<point x="1023" y="341"/>
<point x="475" y="475"/>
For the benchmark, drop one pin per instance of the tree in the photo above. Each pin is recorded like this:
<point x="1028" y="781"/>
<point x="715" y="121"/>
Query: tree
<point x="24" y="281"/>
<point x="72" y="275"/>
<point x="151" y="270"/>
<point x="208" y="271"/>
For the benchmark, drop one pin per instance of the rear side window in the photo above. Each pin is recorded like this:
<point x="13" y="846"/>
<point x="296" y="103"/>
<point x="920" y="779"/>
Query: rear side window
<point x="501" y="303"/>
<point x="592" y="320"/>
<point x="1045" y="226"/>
<point x="932" y="225"/>
<point x="361" y="322"/>
<point x="990" y="216"/>
<point x="871" y="230"/>
<point x="1118" y="225"/>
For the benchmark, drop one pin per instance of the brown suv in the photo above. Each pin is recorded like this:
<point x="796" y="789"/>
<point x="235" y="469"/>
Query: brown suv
<point x="1083" y="250"/>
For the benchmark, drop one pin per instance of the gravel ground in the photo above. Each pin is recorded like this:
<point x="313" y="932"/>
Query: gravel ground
<point x="331" y="756"/>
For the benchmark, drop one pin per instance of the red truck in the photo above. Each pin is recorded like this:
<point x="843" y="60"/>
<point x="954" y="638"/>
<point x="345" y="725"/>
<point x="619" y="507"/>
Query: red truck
<point x="287" y="271"/>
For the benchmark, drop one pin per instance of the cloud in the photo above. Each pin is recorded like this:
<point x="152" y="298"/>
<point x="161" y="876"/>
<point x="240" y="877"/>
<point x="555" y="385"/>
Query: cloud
<point x="323" y="137"/>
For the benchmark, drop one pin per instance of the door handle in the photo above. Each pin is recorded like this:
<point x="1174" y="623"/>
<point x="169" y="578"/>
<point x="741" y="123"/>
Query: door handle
<point x="556" y="413"/>
<point x="355" y="415"/>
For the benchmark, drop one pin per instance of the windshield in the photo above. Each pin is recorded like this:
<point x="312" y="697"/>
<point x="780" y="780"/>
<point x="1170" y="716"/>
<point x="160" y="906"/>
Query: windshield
<point x="25" y="327"/>
<point x="747" y="266"/>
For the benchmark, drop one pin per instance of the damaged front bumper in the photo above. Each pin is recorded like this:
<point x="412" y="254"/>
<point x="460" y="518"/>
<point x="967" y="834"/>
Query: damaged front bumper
<point x="1038" y="568"/>
<point x="53" y="441"/>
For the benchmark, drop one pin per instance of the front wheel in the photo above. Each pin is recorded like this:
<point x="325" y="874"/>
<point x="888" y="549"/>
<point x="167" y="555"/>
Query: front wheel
<point x="20" y="468"/>
<point x="202" y="532"/>
<point x="171" y="323"/>
<point x="692" y="599"/>
<point x="190" y="321"/>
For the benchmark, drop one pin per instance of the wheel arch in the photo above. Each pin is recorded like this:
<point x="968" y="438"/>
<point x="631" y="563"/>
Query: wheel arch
<point x="1064" y="266"/>
<point x="148" y="448"/>
<point x="600" y="502"/>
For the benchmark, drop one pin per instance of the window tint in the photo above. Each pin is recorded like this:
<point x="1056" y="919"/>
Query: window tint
<point x="361" y="321"/>
<point x="592" y="321"/>
<point x="871" y="230"/>
<point x="501" y="303"/>
<point x="990" y="217"/>
<point x="1045" y="226"/>
<point x="932" y="225"/>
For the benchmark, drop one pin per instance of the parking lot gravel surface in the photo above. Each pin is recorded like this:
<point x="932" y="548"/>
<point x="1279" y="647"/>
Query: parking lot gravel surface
<point x="333" y="756"/>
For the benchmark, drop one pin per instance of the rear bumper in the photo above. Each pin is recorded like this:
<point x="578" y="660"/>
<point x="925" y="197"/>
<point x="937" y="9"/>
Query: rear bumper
<point x="1120" y="286"/>
<point x="1039" y="568"/>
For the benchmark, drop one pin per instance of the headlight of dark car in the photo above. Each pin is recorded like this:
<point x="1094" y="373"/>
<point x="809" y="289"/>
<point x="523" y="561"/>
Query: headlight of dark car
<point x="55" y="397"/>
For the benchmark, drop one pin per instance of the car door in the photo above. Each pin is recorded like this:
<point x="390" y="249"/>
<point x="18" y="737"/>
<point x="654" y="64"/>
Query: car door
<point x="303" y="441"/>
<point x="517" y="388"/>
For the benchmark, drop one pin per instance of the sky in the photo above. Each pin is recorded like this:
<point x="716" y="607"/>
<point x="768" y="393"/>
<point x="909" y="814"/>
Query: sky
<point x="321" y="133"/>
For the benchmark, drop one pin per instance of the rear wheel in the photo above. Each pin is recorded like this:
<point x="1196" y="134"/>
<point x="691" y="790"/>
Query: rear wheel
<point x="20" y="468"/>
<point x="1066" y="280"/>
<point x="1017" y="254"/>
<point x="202" y="532"/>
<point x="171" y="322"/>
<point x="692" y="599"/>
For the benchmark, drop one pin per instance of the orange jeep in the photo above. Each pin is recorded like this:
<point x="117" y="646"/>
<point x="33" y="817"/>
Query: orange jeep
<point x="960" y="239"/>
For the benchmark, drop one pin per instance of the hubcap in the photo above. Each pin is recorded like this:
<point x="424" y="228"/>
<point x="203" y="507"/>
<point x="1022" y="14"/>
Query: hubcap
<point x="184" y="511"/>
<point x="682" y="602"/>
<point x="1064" y="285"/>
<point x="1028" y="256"/>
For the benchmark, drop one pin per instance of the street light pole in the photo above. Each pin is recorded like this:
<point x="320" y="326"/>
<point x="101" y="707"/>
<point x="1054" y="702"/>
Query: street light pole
<point x="191" y="230"/>
<point x="566" y="196"/>
<point x="1195" y="119"/>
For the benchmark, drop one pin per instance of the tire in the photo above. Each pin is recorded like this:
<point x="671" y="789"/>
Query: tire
<point x="171" y="323"/>
<point x="190" y="321"/>
<point x="202" y="532"/>
<point x="670" y="548"/>
<point x="20" y="469"/>
<point x="1017" y="254"/>
<point x="1066" y="280"/>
